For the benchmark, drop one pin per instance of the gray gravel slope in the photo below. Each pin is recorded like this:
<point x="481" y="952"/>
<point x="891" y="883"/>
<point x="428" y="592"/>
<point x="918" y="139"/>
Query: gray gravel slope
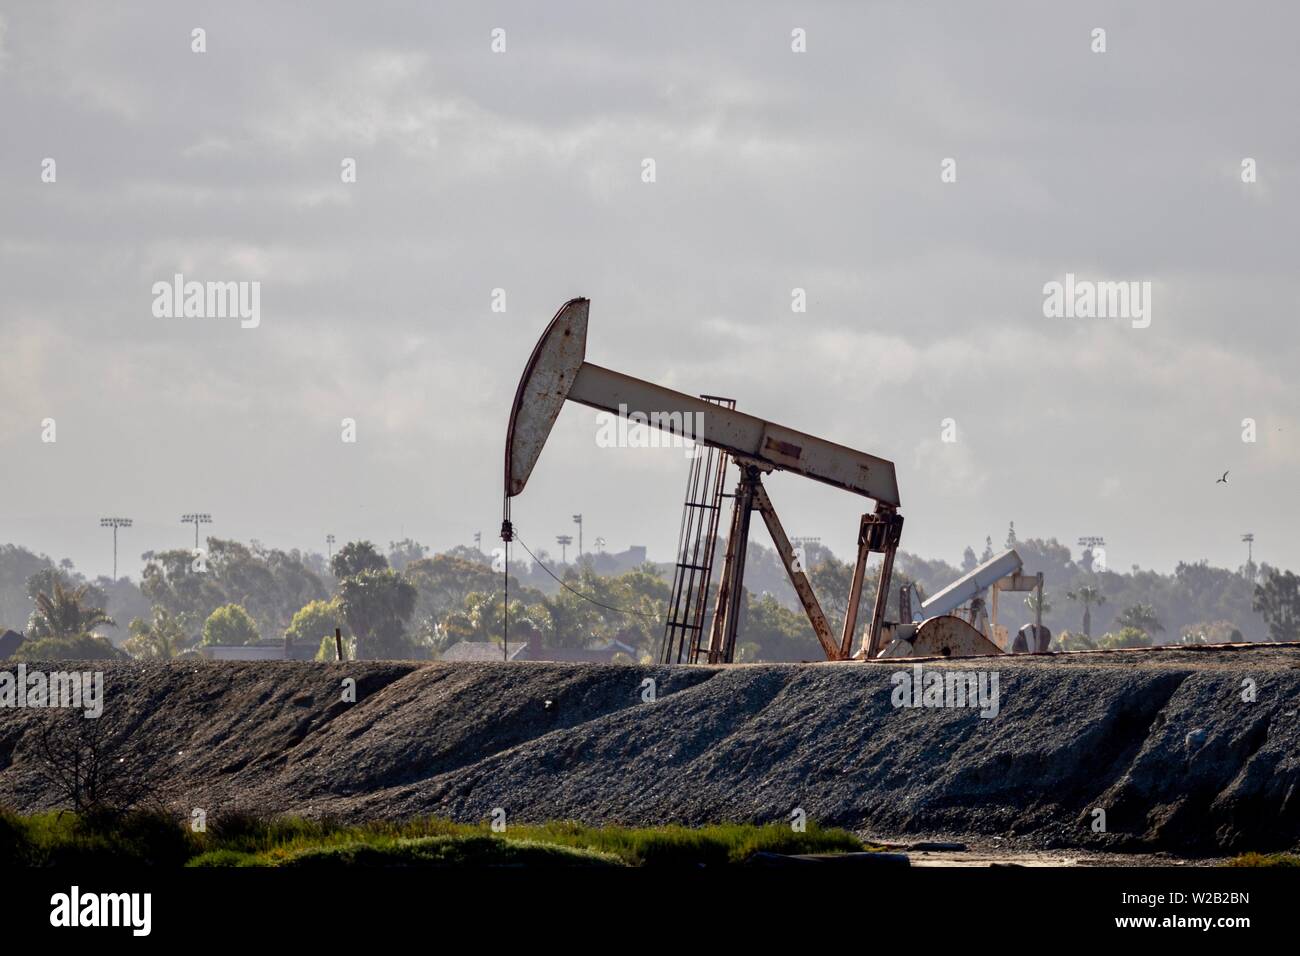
<point x="1162" y="742"/>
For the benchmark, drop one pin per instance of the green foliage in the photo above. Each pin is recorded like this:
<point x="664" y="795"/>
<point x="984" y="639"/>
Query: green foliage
<point x="159" y="638"/>
<point x="229" y="625"/>
<point x="79" y="647"/>
<point x="1140" y="617"/>
<point x="405" y="552"/>
<point x="1032" y="602"/>
<point x="170" y="582"/>
<point x="1210" y="632"/>
<point x="1277" y="598"/>
<point x="316" y="620"/>
<point x="446" y="851"/>
<point x="1265" y="860"/>
<point x="377" y="605"/>
<point x="568" y="620"/>
<point x="458" y="596"/>
<point x="443" y="582"/>
<point x="357" y="557"/>
<point x="481" y="620"/>
<point x="1074" y="641"/>
<point x="1126" y="637"/>
<point x="1087" y="595"/>
<point x="249" y="840"/>
<point x="65" y="614"/>
<point x="143" y="838"/>
<point x="47" y="579"/>
<point x="770" y="631"/>
<point x="17" y="565"/>
<point x="271" y="585"/>
<point x="628" y="608"/>
<point x="716" y="845"/>
<point x="328" y="650"/>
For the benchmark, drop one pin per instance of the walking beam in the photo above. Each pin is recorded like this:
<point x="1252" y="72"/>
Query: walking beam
<point x="557" y="372"/>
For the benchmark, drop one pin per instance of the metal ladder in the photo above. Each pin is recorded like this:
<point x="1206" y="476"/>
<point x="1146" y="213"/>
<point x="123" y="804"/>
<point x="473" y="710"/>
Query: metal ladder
<point x="696" y="545"/>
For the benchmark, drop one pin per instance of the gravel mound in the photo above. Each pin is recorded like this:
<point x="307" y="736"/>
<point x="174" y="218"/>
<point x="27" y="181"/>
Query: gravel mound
<point x="1163" y="742"/>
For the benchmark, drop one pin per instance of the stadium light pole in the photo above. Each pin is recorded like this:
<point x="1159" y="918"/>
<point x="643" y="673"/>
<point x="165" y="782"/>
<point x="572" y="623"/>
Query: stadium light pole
<point x="196" y="518"/>
<point x="115" y="523"/>
<point x="1091" y="541"/>
<point x="564" y="540"/>
<point x="329" y="545"/>
<point x="577" y="519"/>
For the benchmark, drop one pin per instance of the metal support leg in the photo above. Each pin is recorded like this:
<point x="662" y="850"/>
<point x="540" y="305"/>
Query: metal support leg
<point x="882" y="600"/>
<point x="885" y="531"/>
<point x="855" y="590"/>
<point x="731" y="591"/>
<point x="1038" y="605"/>
<point x="798" y="576"/>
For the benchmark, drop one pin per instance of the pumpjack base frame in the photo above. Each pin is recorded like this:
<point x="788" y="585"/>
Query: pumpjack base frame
<point x="879" y="533"/>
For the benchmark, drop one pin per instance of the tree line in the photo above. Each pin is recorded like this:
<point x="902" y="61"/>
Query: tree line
<point x="404" y="602"/>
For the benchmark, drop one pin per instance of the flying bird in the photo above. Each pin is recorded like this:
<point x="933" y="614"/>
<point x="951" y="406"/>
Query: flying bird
<point x="1223" y="480"/>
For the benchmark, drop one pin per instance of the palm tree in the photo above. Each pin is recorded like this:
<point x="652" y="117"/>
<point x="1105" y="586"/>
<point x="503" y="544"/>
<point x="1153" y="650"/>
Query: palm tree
<point x="1143" y="617"/>
<point x="1032" y="602"/>
<point x="160" y="637"/>
<point x="65" y="614"/>
<point x="1088" y="595"/>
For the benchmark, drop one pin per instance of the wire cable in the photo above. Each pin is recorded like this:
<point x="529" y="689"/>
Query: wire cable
<point x="585" y="597"/>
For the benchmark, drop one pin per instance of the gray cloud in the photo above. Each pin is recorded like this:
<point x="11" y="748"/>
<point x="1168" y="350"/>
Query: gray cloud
<point x="521" y="171"/>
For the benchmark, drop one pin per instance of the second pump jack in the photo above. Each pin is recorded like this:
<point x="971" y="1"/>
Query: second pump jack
<point x="558" y="372"/>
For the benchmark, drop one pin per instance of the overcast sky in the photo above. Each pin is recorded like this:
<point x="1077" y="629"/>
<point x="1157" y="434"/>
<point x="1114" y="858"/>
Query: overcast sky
<point x="522" y="171"/>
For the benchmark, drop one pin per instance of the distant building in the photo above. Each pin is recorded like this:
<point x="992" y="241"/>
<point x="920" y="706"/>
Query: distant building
<point x="10" y="641"/>
<point x="483" y="651"/>
<point x="602" y="654"/>
<point x="604" y="562"/>
<point x="261" y="651"/>
<point x="532" y="650"/>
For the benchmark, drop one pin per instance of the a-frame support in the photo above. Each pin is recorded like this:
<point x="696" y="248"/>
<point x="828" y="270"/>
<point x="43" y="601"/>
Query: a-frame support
<point x="731" y="590"/>
<point x="798" y="575"/>
<point x="879" y="532"/>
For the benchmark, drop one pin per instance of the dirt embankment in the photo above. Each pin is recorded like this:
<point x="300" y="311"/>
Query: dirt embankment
<point x="1164" y="743"/>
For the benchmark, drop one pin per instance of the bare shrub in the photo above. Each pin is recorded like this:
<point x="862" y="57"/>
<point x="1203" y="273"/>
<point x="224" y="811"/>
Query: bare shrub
<point x="98" y="766"/>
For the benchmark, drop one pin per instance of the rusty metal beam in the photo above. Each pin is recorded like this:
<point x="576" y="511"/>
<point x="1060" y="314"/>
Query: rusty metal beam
<point x="855" y="591"/>
<point x="731" y="590"/>
<point x="882" y="597"/>
<point x="879" y="533"/>
<point x="557" y="371"/>
<point x="798" y="577"/>
<point x="747" y="436"/>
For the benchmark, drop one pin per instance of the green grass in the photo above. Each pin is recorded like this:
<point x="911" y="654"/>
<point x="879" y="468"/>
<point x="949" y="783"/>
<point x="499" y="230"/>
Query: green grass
<point x="1263" y="859"/>
<point x="419" y="851"/>
<point x="63" y="839"/>
<point x="246" y="840"/>
<point x="676" y="845"/>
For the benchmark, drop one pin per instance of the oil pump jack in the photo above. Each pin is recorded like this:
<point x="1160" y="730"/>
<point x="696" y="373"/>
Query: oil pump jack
<point x="557" y="371"/>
